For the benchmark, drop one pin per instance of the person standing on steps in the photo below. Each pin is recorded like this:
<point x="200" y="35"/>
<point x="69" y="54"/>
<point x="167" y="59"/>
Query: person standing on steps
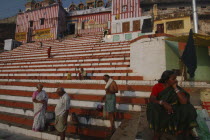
<point x="39" y="99"/>
<point x="110" y="99"/>
<point x="61" y="112"/>
<point x="41" y="44"/>
<point x="49" y="52"/>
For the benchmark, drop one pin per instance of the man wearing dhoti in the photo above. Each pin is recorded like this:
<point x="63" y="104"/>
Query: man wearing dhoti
<point x="110" y="99"/>
<point x="61" y="112"/>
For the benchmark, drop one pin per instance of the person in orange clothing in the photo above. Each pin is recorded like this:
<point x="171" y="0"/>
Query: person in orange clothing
<point x="49" y="52"/>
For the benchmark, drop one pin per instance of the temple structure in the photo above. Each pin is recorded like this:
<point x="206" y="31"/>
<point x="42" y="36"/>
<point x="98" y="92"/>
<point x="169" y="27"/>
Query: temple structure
<point x="47" y="19"/>
<point x="41" y="21"/>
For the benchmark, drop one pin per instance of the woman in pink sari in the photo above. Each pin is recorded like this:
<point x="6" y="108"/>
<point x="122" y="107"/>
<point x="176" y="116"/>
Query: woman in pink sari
<point x="39" y="99"/>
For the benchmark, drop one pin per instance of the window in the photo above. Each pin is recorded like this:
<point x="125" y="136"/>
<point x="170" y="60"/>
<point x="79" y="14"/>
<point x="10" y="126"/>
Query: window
<point x="100" y="3"/>
<point x="173" y="25"/>
<point x="83" y="25"/>
<point x="181" y="7"/>
<point x="124" y="8"/>
<point x="31" y="23"/>
<point x="203" y="6"/>
<point x="81" y="6"/>
<point x="163" y="9"/>
<point x="42" y="21"/>
<point x="147" y="26"/>
<point x="146" y="10"/>
<point x="136" y="25"/>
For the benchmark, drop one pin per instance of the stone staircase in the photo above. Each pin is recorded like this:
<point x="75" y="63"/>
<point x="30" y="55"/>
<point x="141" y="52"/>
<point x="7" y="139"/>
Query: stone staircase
<point x="24" y="67"/>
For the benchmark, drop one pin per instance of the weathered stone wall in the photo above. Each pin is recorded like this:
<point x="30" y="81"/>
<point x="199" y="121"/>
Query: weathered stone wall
<point x="204" y="26"/>
<point x="9" y="20"/>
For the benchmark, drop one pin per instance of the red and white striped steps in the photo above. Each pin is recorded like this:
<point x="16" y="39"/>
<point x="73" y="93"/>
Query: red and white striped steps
<point x="23" y="68"/>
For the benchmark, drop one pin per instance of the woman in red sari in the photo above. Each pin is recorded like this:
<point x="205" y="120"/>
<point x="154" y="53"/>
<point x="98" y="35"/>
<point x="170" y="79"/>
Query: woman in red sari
<point x="49" y="52"/>
<point x="169" y="110"/>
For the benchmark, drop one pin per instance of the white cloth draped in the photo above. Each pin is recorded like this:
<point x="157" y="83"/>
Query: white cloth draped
<point x="108" y="83"/>
<point x="39" y="110"/>
<point x="63" y="104"/>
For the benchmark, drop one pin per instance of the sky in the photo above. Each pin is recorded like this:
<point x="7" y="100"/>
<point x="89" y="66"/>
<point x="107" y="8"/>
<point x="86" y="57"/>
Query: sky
<point x="11" y="7"/>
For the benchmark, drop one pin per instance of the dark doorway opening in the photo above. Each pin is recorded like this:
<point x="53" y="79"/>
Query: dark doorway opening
<point x="71" y="29"/>
<point x="160" y="28"/>
<point x="147" y="26"/>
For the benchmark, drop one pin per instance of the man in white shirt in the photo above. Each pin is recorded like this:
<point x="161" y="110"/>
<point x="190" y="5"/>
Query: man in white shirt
<point x="61" y="112"/>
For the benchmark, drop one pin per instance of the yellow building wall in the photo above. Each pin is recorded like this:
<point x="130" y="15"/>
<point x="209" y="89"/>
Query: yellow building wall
<point x="186" y="29"/>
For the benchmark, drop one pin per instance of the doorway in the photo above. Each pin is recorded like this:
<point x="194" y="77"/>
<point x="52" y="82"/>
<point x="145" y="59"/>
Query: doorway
<point x="126" y="27"/>
<point x="160" y="28"/>
<point x="29" y="35"/>
<point x="71" y="28"/>
<point x="136" y="25"/>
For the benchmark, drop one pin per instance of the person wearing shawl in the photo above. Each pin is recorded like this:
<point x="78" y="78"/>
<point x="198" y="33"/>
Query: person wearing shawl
<point x="169" y="110"/>
<point x="110" y="98"/>
<point x="40" y="99"/>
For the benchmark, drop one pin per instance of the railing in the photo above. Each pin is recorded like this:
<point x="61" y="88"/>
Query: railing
<point x="172" y="15"/>
<point x="89" y="11"/>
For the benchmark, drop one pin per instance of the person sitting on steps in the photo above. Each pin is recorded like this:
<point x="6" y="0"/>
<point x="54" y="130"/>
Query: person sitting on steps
<point x="170" y="110"/>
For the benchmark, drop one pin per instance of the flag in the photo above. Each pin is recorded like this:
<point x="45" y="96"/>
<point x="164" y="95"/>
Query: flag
<point x="189" y="57"/>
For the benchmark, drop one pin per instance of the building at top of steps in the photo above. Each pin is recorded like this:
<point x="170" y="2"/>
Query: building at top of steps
<point x="49" y="20"/>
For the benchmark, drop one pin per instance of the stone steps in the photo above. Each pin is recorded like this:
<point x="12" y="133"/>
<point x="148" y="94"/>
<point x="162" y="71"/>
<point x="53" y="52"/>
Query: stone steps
<point x="86" y="62"/>
<point x="24" y="67"/>
<point x="86" y="116"/>
<point x="69" y="59"/>
<point x="61" y="47"/>
<point x="37" y="52"/>
<point x="73" y="55"/>
<point x="42" y="51"/>
<point x="23" y="121"/>
<point x="67" y="68"/>
<point x="59" y="78"/>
